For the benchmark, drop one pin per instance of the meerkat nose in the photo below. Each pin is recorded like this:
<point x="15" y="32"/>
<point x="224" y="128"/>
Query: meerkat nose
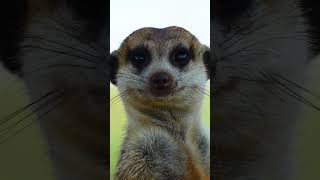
<point x="161" y="83"/>
<point x="161" y="80"/>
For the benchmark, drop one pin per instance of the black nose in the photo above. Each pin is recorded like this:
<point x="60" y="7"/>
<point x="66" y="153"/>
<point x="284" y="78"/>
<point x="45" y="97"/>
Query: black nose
<point x="161" y="80"/>
<point x="161" y="84"/>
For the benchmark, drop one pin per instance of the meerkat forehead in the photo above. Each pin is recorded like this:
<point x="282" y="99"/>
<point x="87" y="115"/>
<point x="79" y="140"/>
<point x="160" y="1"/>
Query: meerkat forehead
<point x="159" y="41"/>
<point x="159" y="35"/>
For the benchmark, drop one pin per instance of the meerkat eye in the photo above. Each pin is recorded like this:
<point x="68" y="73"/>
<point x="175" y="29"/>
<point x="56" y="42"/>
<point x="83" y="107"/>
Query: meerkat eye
<point x="180" y="56"/>
<point x="139" y="57"/>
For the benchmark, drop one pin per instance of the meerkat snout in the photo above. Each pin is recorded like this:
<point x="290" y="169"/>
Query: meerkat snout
<point x="161" y="83"/>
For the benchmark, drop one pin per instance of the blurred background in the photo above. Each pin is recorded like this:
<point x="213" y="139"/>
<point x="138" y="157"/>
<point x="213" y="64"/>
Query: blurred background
<point x="308" y="132"/>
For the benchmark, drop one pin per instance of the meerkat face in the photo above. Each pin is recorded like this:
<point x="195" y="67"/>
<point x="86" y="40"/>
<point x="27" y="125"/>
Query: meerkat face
<point x="161" y="64"/>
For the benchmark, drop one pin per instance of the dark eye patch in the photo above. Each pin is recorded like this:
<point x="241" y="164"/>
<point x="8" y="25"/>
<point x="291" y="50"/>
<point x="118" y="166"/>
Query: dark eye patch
<point x="180" y="56"/>
<point x="139" y="57"/>
<point x="227" y="11"/>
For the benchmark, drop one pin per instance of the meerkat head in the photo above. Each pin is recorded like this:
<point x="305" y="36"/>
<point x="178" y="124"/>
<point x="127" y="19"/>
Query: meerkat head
<point x="160" y="66"/>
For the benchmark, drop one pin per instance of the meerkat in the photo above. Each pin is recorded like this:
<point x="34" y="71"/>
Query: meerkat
<point x="261" y="49"/>
<point x="161" y="75"/>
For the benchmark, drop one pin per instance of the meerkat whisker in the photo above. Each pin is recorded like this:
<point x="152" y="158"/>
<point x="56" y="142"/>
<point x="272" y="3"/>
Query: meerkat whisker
<point x="4" y="140"/>
<point x="54" y="25"/>
<point x="120" y="95"/>
<point x="40" y="39"/>
<point x="57" y="51"/>
<point x="7" y="118"/>
<point x="40" y="107"/>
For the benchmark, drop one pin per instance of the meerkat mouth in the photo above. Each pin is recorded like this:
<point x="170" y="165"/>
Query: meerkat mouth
<point x="165" y="94"/>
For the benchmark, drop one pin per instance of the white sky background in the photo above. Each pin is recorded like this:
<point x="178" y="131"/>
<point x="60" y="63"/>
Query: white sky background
<point x="129" y="15"/>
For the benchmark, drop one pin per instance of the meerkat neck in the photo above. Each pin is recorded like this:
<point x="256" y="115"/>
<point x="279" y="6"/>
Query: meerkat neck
<point x="177" y="121"/>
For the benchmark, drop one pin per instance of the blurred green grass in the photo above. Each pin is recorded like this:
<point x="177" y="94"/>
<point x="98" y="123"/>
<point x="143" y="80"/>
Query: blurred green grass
<point x="118" y="122"/>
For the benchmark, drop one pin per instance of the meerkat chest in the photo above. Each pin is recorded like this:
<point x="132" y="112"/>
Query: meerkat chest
<point x="187" y="154"/>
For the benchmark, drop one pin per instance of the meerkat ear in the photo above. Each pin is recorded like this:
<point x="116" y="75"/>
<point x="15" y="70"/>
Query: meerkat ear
<point x="113" y="67"/>
<point x="206" y="61"/>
